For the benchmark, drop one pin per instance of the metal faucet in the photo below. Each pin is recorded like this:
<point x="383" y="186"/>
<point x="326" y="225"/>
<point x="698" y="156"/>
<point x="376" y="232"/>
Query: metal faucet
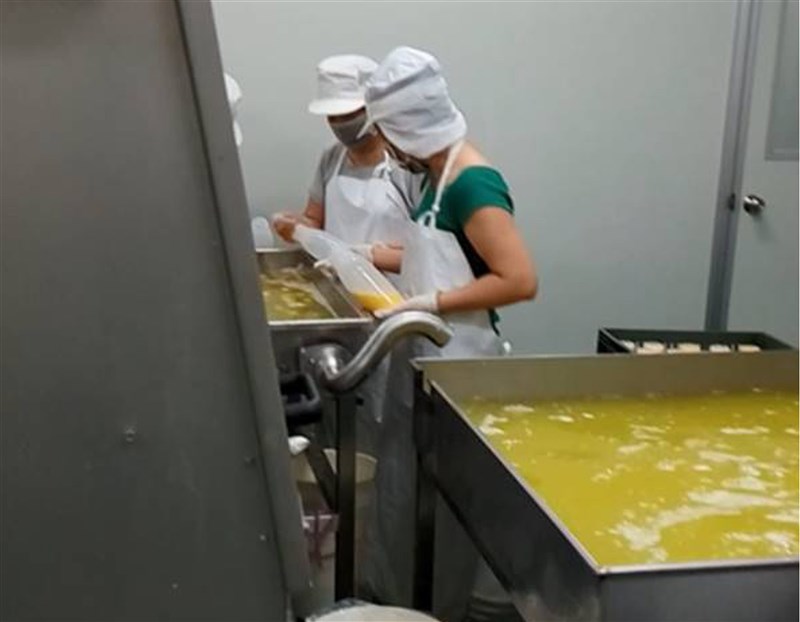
<point x="330" y="364"/>
<point x="332" y="367"/>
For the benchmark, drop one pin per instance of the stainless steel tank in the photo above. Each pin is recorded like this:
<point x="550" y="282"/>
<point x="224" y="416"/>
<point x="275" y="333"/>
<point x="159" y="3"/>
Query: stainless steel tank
<point x="547" y="571"/>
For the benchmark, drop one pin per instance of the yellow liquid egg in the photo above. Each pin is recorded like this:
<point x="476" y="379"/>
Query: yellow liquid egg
<point x="375" y="301"/>
<point x="659" y="479"/>
<point x="289" y="296"/>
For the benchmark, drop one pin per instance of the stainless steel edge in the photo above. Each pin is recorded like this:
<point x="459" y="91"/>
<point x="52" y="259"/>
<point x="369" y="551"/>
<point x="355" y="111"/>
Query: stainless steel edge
<point x="543" y="377"/>
<point x="312" y="325"/>
<point x="228" y="187"/>
<point x="703" y="565"/>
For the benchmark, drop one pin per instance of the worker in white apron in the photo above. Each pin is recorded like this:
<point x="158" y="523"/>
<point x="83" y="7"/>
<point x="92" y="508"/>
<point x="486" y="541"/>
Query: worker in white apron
<point x="462" y="273"/>
<point x="358" y="193"/>
<point x="366" y="213"/>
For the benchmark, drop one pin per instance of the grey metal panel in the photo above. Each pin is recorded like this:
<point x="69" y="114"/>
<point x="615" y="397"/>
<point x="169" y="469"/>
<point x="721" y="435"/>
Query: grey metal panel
<point x="762" y="594"/>
<point x="231" y="210"/>
<point x="130" y="480"/>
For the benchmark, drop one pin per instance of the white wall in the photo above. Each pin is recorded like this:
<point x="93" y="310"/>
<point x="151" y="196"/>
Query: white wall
<point x="605" y="117"/>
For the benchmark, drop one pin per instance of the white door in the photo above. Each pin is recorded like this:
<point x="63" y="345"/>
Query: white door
<point x="764" y="289"/>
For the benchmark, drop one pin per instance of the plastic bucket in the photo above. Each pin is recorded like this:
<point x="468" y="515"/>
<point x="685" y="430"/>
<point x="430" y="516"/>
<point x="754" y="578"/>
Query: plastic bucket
<point x="319" y="523"/>
<point x="489" y="602"/>
<point x="363" y="612"/>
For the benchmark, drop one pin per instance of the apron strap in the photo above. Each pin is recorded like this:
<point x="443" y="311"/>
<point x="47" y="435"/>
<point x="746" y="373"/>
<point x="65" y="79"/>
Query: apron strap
<point x="383" y="169"/>
<point x="430" y="218"/>
<point x="340" y="162"/>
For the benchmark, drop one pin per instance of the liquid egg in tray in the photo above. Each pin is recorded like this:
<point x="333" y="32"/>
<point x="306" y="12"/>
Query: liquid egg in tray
<point x="289" y="294"/>
<point x="659" y="478"/>
<point x="655" y="488"/>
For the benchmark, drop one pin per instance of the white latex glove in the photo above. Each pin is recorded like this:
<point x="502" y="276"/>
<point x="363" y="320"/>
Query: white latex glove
<point x="365" y="250"/>
<point x="425" y="302"/>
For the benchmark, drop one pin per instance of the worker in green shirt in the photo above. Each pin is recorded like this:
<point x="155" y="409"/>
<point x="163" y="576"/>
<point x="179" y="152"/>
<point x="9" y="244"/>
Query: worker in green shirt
<point x="463" y="258"/>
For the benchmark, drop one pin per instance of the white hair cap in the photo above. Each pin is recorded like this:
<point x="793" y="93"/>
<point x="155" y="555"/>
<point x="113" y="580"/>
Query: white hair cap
<point x="234" y="93"/>
<point x="407" y="98"/>
<point x="340" y="84"/>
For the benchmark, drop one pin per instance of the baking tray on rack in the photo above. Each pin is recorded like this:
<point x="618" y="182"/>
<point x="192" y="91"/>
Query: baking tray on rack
<point x="611" y="340"/>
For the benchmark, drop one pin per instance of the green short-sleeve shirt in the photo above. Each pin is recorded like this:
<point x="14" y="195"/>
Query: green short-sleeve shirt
<point x="474" y="188"/>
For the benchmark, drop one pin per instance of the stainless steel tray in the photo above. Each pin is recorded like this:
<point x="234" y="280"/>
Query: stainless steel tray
<point x="548" y="573"/>
<point x="349" y="328"/>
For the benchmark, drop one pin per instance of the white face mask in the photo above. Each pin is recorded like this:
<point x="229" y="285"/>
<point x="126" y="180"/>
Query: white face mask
<point x="352" y="131"/>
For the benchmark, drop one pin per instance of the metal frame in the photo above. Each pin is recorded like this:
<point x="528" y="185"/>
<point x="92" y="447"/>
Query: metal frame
<point x="144" y="453"/>
<point x="345" y="582"/>
<point x="734" y="147"/>
<point x="777" y="153"/>
<point x="202" y="51"/>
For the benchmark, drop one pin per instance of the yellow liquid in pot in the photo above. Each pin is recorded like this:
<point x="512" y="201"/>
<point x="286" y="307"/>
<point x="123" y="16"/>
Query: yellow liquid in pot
<point x="659" y="479"/>
<point x="372" y="301"/>
<point x="289" y="296"/>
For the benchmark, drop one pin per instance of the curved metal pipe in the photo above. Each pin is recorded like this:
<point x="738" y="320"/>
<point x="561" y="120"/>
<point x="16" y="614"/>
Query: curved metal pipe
<point x="341" y="379"/>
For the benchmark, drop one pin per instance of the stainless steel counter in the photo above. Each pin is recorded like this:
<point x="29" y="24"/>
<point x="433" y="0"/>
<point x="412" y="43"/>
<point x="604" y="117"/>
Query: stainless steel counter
<point x="547" y="571"/>
<point x="338" y="428"/>
<point x="350" y="328"/>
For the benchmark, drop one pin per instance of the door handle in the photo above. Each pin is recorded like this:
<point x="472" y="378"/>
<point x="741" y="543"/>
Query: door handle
<point x="753" y="204"/>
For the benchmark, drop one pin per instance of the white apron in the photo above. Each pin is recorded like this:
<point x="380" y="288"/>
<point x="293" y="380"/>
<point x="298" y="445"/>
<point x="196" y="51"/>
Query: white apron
<point x="432" y="261"/>
<point x="365" y="211"/>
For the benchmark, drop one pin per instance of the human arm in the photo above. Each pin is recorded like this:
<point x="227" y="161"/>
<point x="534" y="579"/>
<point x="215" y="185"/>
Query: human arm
<point x="387" y="257"/>
<point x="313" y="216"/>
<point x="512" y="275"/>
<point x="314" y="213"/>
